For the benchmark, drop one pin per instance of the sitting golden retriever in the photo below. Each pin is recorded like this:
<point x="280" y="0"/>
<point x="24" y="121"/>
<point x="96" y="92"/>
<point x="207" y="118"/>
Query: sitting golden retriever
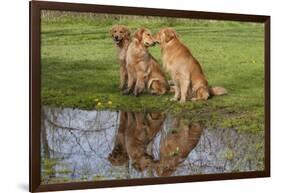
<point x="177" y="145"/>
<point x="143" y="69"/>
<point x="156" y="81"/>
<point x="135" y="133"/>
<point x="185" y="70"/>
<point x="141" y="129"/>
<point x="121" y="36"/>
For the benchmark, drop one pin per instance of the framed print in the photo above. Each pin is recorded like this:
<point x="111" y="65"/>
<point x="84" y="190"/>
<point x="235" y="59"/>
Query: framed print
<point x="123" y="96"/>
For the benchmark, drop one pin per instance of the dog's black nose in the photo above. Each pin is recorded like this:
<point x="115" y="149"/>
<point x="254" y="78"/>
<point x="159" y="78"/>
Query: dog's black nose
<point x="116" y="37"/>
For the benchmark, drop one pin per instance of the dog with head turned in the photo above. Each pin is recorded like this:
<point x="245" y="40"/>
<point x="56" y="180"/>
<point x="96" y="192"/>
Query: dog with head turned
<point x="177" y="145"/>
<point x="184" y="68"/>
<point x="143" y="69"/>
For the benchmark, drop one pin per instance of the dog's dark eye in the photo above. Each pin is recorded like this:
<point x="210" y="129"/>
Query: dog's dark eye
<point x="148" y="34"/>
<point x="115" y="31"/>
<point x="121" y="32"/>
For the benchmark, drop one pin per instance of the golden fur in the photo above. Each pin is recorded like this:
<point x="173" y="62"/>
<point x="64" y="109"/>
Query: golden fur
<point x="184" y="68"/>
<point x="134" y="138"/>
<point x="177" y="145"/>
<point x="143" y="69"/>
<point x="135" y="133"/>
<point x="121" y="36"/>
<point x="142" y="128"/>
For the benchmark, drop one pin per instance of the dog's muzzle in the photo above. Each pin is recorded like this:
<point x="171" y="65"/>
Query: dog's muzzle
<point x="116" y="40"/>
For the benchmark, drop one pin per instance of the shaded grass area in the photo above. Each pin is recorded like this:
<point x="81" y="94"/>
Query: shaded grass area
<point x="80" y="67"/>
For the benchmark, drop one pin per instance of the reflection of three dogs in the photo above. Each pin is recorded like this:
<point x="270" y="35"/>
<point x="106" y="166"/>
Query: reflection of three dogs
<point x="140" y="70"/>
<point x="134" y="141"/>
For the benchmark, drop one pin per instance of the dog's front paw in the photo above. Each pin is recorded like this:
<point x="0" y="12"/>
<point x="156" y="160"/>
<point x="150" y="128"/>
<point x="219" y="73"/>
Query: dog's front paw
<point x="182" y="101"/>
<point x="122" y="87"/>
<point x="136" y="93"/>
<point x="174" y="99"/>
<point x="126" y="91"/>
<point x="193" y="99"/>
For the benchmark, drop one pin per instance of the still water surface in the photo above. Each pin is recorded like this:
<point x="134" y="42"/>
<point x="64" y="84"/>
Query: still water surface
<point x="79" y="145"/>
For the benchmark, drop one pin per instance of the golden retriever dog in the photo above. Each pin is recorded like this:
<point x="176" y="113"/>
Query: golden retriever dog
<point x="119" y="155"/>
<point x="177" y="145"/>
<point x="184" y="68"/>
<point x="143" y="69"/>
<point x="142" y="128"/>
<point x="121" y="36"/>
<point x="156" y="81"/>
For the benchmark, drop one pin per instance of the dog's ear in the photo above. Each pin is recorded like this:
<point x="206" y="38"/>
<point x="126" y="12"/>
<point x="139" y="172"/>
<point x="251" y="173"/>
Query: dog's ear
<point x="170" y="34"/>
<point x="112" y="30"/>
<point x="138" y="34"/>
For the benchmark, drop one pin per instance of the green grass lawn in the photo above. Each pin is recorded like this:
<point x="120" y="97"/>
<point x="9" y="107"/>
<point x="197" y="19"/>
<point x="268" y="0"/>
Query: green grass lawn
<point x="80" y="67"/>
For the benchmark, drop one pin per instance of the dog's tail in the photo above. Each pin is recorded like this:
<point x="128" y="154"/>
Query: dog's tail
<point x="217" y="91"/>
<point x="149" y="84"/>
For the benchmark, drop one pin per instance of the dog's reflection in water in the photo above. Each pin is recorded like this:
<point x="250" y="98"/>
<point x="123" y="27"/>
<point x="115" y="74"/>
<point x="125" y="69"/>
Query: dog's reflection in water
<point x="137" y="130"/>
<point x="142" y="128"/>
<point x="119" y="155"/>
<point x="176" y="146"/>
